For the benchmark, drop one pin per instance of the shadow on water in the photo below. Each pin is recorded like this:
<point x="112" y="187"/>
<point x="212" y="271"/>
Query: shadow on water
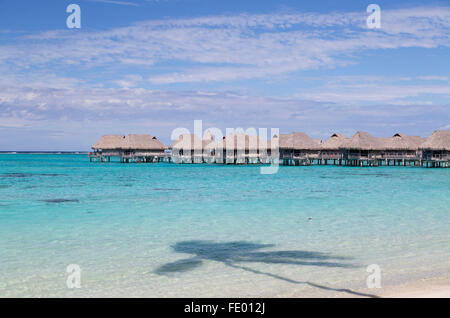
<point x="59" y="200"/>
<point x="26" y="175"/>
<point x="233" y="253"/>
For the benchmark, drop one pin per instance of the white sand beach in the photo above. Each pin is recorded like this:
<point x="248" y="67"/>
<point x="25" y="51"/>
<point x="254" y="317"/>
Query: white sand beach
<point x="437" y="287"/>
<point x="426" y="288"/>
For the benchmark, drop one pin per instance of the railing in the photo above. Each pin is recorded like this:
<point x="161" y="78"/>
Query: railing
<point x="334" y="155"/>
<point x="436" y="157"/>
<point x="142" y="154"/>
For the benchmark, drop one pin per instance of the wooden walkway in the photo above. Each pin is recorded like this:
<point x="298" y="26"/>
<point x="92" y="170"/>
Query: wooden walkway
<point x="306" y="161"/>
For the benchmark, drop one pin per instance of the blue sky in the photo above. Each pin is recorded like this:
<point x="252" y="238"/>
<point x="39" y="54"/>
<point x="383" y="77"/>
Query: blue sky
<point x="151" y="66"/>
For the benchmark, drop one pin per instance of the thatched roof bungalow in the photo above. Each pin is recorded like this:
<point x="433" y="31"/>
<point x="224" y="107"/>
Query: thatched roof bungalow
<point x="363" y="145"/>
<point x="331" y="148"/>
<point x="401" y="146"/>
<point x="297" y="145"/>
<point x="190" y="148"/>
<point x="437" y="146"/>
<point x="242" y="148"/>
<point x="240" y="142"/>
<point x="134" y="146"/>
<point x="130" y="142"/>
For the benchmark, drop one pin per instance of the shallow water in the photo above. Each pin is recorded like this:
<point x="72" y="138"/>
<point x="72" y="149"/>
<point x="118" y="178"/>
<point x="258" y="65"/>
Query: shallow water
<point x="171" y="230"/>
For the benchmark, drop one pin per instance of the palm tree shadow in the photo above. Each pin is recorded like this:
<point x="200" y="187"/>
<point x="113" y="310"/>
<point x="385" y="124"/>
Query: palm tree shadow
<point x="232" y="253"/>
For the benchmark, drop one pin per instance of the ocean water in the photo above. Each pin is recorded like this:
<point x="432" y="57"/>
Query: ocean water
<point x="166" y="230"/>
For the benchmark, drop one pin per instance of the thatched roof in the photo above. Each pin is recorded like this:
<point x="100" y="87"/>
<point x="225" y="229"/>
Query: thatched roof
<point x="403" y="142"/>
<point x="243" y="142"/>
<point x="297" y="141"/>
<point x="192" y="141"/>
<point x="109" y="142"/>
<point x="334" y="142"/>
<point x="364" y="141"/>
<point x="142" y="142"/>
<point x="439" y="140"/>
<point x="130" y="142"/>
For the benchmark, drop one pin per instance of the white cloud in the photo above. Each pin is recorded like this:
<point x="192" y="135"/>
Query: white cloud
<point x="124" y="3"/>
<point x="54" y="83"/>
<point x="128" y="81"/>
<point x="375" y="89"/>
<point x="138" y="104"/>
<point x="434" y="78"/>
<point x="80" y="115"/>
<point x="214" y="48"/>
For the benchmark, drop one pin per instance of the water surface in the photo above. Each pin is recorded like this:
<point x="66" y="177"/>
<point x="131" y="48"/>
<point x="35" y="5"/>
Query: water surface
<point x="169" y="230"/>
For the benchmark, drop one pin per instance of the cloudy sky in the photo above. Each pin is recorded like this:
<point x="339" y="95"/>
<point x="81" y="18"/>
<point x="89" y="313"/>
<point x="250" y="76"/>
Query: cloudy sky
<point x="151" y="66"/>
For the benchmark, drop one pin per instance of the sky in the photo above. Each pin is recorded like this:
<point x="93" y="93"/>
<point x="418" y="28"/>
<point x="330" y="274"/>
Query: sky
<point x="151" y="66"/>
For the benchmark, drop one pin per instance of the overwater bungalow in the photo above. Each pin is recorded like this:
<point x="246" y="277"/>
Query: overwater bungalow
<point x="297" y="148"/>
<point x="331" y="149"/>
<point x="362" y="148"/>
<point x="241" y="148"/>
<point x="401" y="148"/>
<point x="189" y="148"/>
<point x="130" y="148"/>
<point x="436" y="149"/>
<point x="109" y="145"/>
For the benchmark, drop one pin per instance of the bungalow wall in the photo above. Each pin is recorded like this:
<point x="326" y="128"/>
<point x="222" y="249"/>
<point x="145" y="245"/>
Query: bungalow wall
<point x="331" y="154"/>
<point x="354" y="154"/>
<point x="286" y="153"/>
<point x="401" y="154"/>
<point x="141" y="153"/>
<point x="435" y="155"/>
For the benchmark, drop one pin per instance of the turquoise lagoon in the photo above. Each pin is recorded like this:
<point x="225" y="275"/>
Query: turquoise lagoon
<point x="166" y="230"/>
